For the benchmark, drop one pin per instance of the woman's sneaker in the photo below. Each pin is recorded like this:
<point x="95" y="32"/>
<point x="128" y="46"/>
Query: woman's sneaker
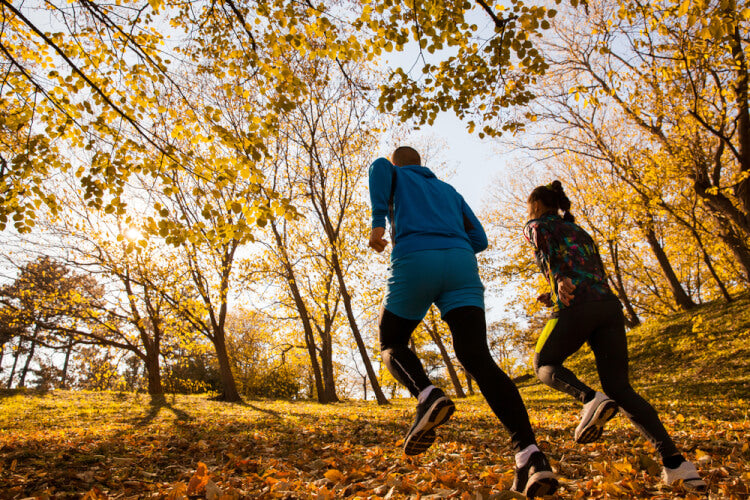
<point x="536" y="478"/>
<point x="686" y="472"/>
<point x="594" y="415"/>
<point x="434" y="411"/>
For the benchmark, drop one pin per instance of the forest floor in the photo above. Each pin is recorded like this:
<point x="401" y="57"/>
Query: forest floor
<point x="693" y="367"/>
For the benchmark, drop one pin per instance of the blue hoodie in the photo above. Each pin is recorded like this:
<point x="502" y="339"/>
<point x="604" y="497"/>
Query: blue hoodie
<point x="429" y="213"/>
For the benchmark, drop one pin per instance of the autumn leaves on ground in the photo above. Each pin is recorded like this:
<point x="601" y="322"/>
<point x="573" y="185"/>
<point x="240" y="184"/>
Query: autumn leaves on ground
<point x="693" y="368"/>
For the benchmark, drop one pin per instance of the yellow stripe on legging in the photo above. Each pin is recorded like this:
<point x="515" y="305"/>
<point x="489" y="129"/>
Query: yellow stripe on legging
<point x="545" y="334"/>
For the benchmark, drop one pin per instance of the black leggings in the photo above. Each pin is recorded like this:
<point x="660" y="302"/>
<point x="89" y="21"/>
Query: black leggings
<point x="469" y="331"/>
<point x="602" y="325"/>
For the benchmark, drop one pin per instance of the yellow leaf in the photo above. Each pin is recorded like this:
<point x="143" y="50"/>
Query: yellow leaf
<point x="684" y="8"/>
<point x="334" y="475"/>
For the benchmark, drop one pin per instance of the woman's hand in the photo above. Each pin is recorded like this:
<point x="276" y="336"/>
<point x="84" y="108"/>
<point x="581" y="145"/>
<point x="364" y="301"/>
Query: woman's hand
<point x="565" y="289"/>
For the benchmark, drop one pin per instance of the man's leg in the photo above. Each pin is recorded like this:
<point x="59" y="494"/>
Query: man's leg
<point x="468" y="327"/>
<point x="433" y="408"/>
<point x="401" y="361"/>
<point x="533" y="474"/>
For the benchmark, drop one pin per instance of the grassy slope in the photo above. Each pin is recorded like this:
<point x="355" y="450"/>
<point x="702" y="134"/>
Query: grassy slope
<point x="692" y="356"/>
<point x="66" y="443"/>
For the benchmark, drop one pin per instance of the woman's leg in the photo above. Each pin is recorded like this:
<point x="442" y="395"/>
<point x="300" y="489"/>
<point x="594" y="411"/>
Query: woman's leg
<point x="468" y="327"/>
<point x="560" y="338"/>
<point x="609" y="345"/>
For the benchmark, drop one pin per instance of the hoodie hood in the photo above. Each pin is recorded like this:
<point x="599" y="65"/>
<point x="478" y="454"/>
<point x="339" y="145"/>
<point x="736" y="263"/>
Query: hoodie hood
<point x="418" y="169"/>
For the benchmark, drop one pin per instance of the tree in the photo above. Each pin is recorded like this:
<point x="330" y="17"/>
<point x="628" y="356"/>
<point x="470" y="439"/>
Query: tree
<point x="334" y="147"/>
<point x="629" y="186"/>
<point x="664" y="71"/>
<point x="45" y="299"/>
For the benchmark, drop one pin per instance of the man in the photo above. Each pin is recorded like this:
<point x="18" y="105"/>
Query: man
<point x="435" y="238"/>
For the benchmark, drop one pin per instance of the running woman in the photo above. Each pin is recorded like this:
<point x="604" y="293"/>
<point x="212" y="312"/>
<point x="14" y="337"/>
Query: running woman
<point x="435" y="237"/>
<point x="586" y="310"/>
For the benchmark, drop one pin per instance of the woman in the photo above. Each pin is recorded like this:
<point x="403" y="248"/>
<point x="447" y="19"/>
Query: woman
<point x="586" y="310"/>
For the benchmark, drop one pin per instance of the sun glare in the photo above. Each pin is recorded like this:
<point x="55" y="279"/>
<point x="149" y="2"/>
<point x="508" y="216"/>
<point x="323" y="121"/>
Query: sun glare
<point x="133" y="234"/>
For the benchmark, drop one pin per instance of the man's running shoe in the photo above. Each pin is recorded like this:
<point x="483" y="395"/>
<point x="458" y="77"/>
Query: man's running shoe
<point x="434" y="411"/>
<point x="686" y="472"/>
<point x="594" y="415"/>
<point x="535" y="479"/>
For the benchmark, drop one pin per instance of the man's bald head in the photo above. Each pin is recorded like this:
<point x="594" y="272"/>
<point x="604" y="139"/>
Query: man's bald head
<point x="405" y="155"/>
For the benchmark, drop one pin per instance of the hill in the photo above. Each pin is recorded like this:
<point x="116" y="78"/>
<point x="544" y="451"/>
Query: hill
<point x="693" y="367"/>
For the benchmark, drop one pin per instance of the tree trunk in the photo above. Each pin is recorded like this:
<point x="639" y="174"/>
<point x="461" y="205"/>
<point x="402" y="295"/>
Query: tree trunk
<point x="22" y="381"/>
<point x="631" y="317"/>
<point x="736" y="245"/>
<point x="691" y="225"/>
<point x="727" y="217"/>
<point x="681" y="298"/>
<point x="230" y="392"/>
<point x="742" y="82"/>
<point x="469" y="383"/>
<point x="326" y="358"/>
<point x="435" y="334"/>
<point x="312" y="354"/>
<point x="153" y="374"/>
<point x="304" y="315"/>
<point x="15" y="363"/>
<point x="355" y="329"/>
<point x="64" y="377"/>
<point x="710" y="266"/>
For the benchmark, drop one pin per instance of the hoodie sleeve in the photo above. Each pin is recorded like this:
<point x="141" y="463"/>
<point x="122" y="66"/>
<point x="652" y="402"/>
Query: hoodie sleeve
<point x="381" y="172"/>
<point x="473" y="228"/>
<point x="538" y="237"/>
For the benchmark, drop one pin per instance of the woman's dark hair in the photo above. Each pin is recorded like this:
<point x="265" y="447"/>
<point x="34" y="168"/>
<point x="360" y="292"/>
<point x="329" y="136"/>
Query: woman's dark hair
<point x="553" y="197"/>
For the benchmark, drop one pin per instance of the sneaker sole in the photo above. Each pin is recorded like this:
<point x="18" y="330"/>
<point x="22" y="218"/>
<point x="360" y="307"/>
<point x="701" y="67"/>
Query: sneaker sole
<point x="695" y="485"/>
<point x="594" y="429"/>
<point x="541" y="484"/>
<point x="422" y="435"/>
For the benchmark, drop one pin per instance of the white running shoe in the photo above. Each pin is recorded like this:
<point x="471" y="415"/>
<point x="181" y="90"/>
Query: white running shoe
<point x="685" y="472"/>
<point x="594" y="415"/>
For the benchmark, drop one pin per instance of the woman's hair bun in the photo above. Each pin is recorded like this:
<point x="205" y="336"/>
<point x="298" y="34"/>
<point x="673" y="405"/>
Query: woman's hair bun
<point x="553" y="196"/>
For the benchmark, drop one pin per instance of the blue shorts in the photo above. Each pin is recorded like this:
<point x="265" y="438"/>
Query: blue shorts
<point x="447" y="277"/>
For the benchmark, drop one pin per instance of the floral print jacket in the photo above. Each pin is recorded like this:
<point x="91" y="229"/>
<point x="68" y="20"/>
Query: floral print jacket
<point x="563" y="249"/>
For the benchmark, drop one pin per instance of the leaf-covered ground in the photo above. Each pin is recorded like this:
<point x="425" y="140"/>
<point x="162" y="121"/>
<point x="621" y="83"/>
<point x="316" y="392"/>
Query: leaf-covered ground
<point x="107" y="445"/>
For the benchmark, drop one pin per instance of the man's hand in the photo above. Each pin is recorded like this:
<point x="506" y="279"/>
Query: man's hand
<point x="565" y="290"/>
<point x="377" y="242"/>
<point x="545" y="299"/>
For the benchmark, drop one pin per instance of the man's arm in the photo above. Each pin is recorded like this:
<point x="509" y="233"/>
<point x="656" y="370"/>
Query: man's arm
<point x="474" y="229"/>
<point x="381" y="177"/>
<point x="381" y="173"/>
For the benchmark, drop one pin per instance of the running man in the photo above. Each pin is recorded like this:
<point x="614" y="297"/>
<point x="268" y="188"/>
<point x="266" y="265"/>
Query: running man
<point x="586" y="310"/>
<point x="435" y="237"/>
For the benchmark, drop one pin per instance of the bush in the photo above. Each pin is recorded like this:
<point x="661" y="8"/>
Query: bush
<point x="281" y="383"/>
